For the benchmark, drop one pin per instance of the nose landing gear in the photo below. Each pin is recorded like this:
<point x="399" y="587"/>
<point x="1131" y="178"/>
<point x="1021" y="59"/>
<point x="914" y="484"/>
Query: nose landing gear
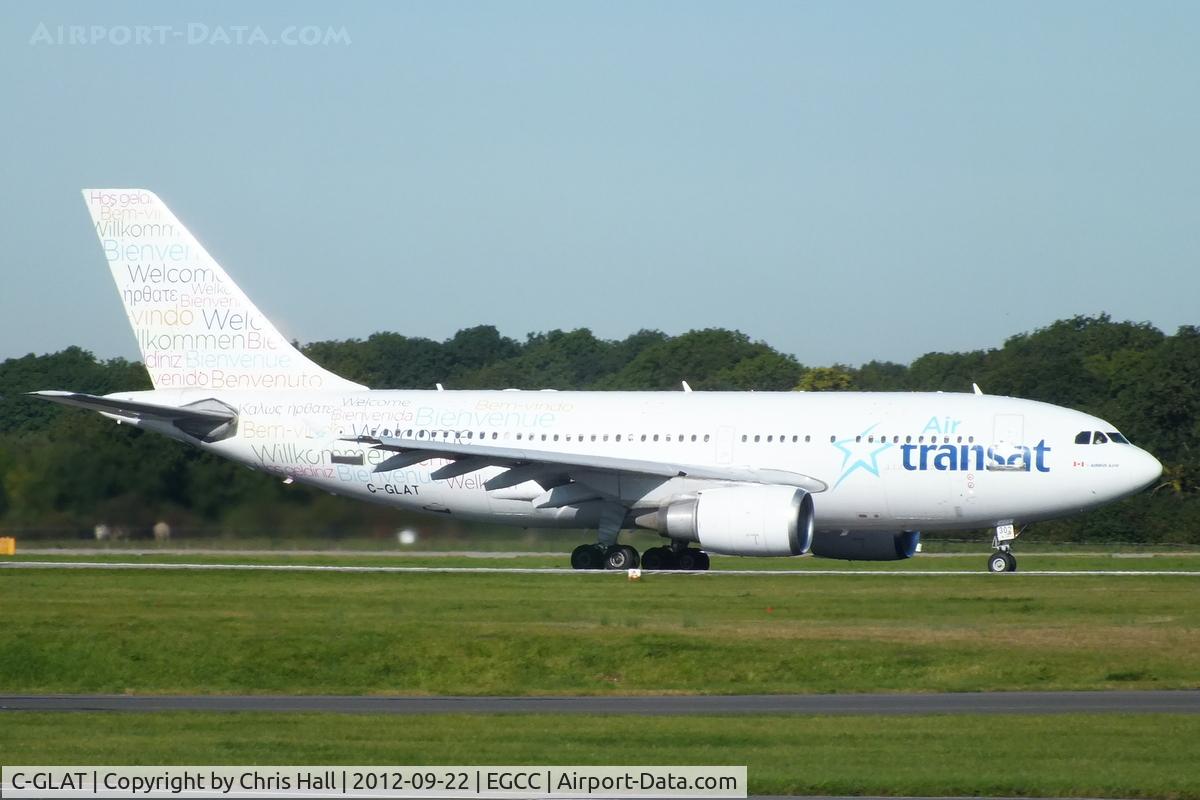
<point x="1002" y="558"/>
<point x="1002" y="561"/>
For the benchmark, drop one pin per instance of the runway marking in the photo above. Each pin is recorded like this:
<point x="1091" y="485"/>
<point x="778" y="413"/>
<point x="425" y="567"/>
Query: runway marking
<point x="1121" y="701"/>
<point x="119" y="565"/>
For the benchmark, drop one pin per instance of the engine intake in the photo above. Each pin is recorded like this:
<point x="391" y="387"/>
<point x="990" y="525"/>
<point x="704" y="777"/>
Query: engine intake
<point x="743" y="520"/>
<point x="866" y="545"/>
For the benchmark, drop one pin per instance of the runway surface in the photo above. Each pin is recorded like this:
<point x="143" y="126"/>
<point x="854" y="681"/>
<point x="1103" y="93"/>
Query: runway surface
<point x="115" y="565"/>
<point x="1160" y="702"/>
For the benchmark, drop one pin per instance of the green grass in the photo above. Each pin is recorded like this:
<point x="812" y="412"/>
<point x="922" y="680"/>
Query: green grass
<point x="298" y="633"/>
<point x="1148" y="562"/>
<point x="1069" y="756"/>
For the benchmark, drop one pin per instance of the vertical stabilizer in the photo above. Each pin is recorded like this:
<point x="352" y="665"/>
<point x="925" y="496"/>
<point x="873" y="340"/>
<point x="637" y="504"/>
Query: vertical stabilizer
<point x="194" y="326"/>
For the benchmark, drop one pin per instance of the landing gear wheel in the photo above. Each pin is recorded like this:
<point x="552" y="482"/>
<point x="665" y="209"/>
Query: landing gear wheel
<point x="621" y="556"/>
<point x="1011" y="559"/>
<point x="1001" y="561"/>
<point x="691" y="560"/>
<point x="702" y="561"/>
<point x="587" y="556"/>
<point x="658" y="558"/>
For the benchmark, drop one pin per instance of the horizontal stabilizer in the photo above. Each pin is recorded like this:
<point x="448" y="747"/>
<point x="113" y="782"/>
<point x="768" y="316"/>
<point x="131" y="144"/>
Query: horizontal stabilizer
<point x="206" y="419"/>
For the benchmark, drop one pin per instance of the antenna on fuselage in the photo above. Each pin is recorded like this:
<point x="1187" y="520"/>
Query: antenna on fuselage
<point x="976" y="389"/>
<point x="686" y="386"/>
<point x="440" y="388"/>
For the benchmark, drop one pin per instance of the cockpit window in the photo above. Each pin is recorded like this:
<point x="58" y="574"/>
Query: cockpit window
<point x="1099" y="438"/>
<point x="1083" y="437"/>
<point x="1117" y="437"/>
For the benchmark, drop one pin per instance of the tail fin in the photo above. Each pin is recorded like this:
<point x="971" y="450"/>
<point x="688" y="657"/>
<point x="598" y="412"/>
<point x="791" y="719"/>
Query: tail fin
<point x="195" y="327"/>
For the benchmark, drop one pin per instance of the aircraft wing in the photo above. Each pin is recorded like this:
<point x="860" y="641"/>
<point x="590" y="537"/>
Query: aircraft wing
<point x="527" y="464"/>
<point x="201" y="419"/>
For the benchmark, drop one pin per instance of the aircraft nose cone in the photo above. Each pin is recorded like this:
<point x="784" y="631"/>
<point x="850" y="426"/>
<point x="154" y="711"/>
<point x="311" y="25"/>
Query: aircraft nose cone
<point x="1146" y="469"/>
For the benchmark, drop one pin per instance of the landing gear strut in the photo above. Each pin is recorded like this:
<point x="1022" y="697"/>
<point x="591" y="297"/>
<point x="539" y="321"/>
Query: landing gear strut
<point x="1002" y="558"/>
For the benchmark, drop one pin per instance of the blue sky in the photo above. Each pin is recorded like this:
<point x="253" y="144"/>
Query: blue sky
<point x="846" y="181"/>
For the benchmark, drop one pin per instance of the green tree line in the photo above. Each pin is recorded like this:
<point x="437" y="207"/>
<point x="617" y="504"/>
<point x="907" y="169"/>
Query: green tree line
<point x="63" y="470"/>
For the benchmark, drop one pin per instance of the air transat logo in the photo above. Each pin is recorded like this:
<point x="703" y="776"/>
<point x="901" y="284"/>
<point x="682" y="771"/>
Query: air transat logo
<point x="860" y="452"/>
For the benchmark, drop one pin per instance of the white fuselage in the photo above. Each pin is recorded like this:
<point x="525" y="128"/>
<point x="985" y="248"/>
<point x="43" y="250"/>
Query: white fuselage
<point x="891" y="461"/>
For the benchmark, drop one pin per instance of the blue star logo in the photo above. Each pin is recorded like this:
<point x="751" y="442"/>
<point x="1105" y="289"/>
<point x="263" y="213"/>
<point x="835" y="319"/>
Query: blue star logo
<point x="860" y="453"/>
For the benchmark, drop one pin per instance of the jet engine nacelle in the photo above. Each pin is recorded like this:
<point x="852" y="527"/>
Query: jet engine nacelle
<point x="743" y="520"/>
<point x="866" y="545"/>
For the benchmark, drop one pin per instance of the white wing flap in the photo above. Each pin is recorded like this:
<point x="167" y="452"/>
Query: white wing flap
<point x="494" y="455"/>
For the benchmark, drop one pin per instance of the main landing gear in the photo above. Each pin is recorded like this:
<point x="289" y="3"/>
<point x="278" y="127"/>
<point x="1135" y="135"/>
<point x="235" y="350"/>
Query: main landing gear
<point x="676" y="555"/>
<point x="621" y="556"/>
<point x="1002" y="558"/>
<point x="598" y="556"/>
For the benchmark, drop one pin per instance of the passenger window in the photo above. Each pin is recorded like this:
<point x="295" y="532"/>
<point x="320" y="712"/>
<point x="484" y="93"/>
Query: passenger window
<point x="757" y="437"/>
<point x="1083" y="437"/>
<point x="1099" y="438"/>
<point x="706" y="437"/>
<point x="770" y="438"/>
<point x="808" y="438"/>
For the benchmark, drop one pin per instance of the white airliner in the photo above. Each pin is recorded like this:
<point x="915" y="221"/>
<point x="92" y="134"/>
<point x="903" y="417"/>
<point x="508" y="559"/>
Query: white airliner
<point x="839" y="475"/>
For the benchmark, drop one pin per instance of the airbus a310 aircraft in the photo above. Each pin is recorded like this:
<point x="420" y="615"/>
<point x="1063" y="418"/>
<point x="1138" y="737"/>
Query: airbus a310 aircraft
<point x="839" y="475"/>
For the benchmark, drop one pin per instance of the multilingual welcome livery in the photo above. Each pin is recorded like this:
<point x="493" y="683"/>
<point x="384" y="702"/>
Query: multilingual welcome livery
<point x="839" y="475"/>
